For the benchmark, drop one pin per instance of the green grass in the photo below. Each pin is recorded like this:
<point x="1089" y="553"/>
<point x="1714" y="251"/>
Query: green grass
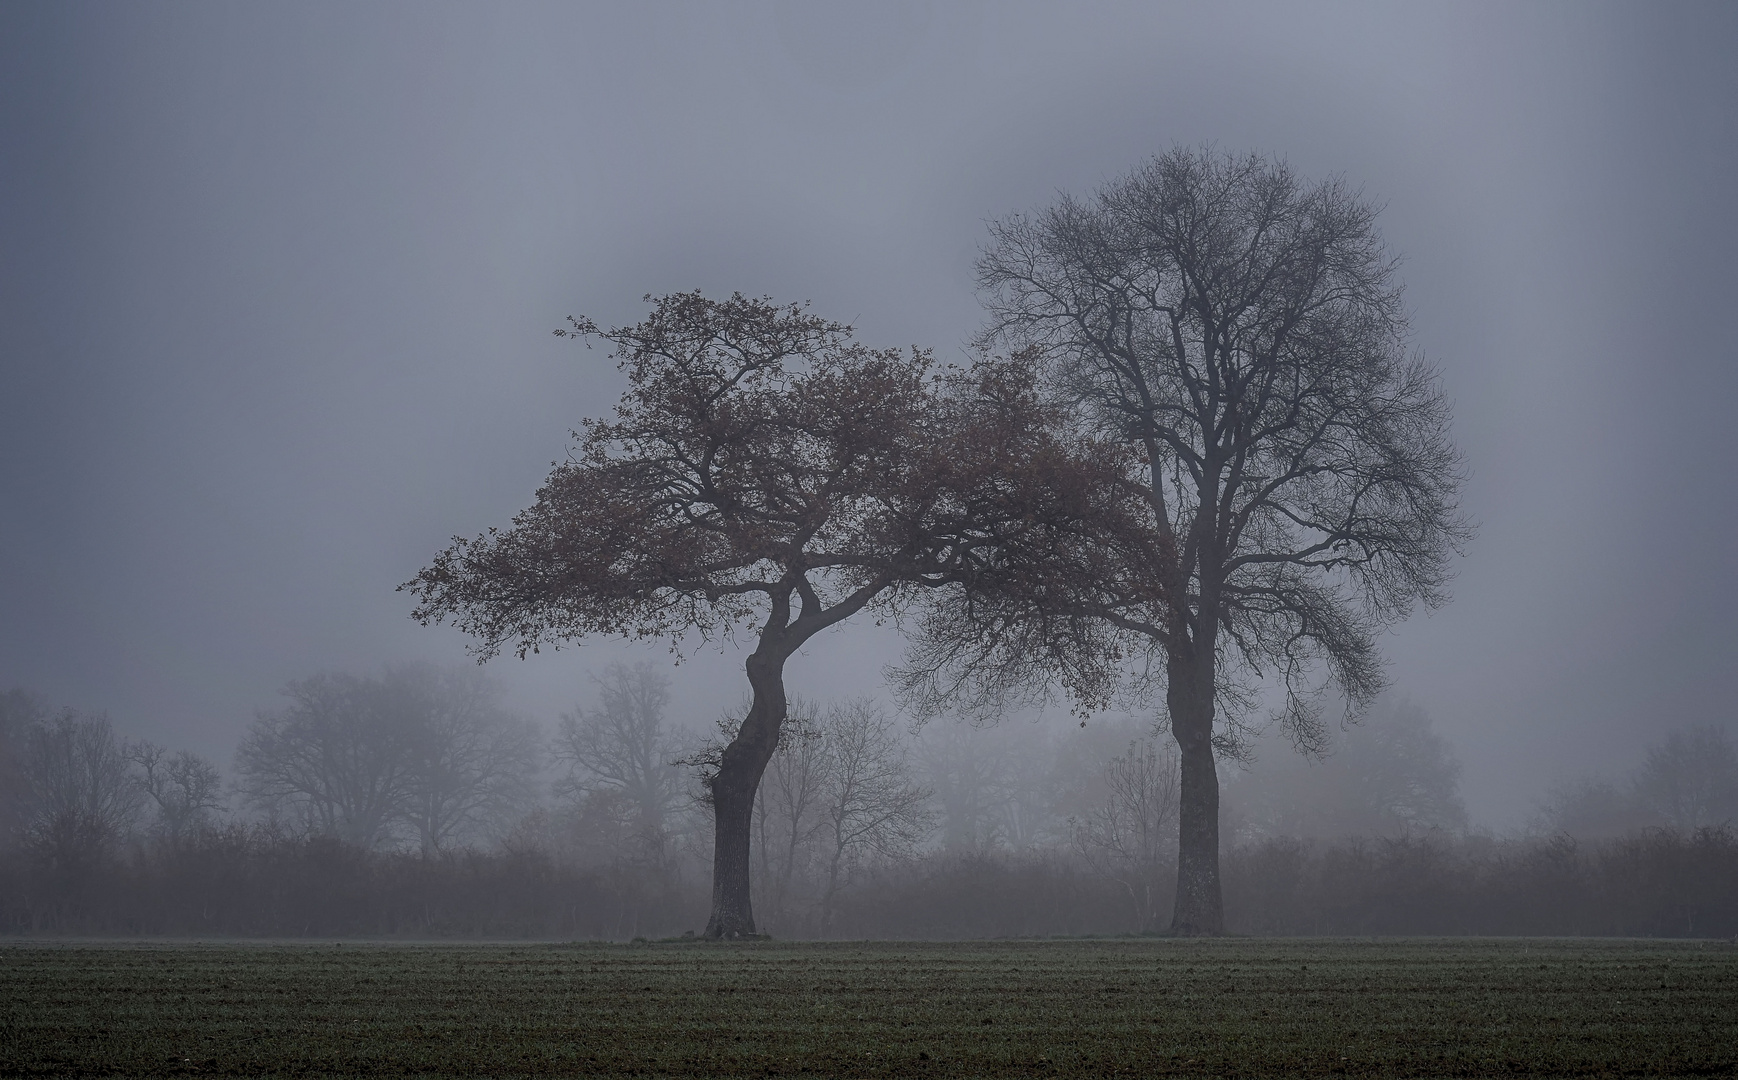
<point x="1055" y="1008"/>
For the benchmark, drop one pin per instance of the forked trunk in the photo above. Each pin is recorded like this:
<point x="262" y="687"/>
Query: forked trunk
<point x="733" y="790"/>
<point x="1199" y="909"/>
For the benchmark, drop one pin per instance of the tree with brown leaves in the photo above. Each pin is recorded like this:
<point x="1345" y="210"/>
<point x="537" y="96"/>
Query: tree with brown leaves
<point x="765" y="474"/>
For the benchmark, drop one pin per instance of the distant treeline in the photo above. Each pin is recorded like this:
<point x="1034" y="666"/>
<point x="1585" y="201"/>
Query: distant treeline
<point x="414" y="805"/>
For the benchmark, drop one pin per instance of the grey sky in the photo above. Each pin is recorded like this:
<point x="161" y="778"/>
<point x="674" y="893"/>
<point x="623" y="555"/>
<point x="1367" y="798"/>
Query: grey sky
<point x="277" y="284"/>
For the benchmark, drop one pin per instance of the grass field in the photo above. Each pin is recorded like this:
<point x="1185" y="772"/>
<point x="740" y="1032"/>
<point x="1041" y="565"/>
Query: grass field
<point x="1039" y="1008"/>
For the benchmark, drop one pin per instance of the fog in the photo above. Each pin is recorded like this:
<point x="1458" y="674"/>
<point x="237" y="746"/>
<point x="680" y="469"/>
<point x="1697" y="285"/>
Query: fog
<point x="277" y="287"/>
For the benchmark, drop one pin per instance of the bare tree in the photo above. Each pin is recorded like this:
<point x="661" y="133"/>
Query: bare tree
<point x="20" y="710"/>
<point x="990" y="785"/>
<point x="968" y="781"/>
<point x="185" y="788"/>
<point x="83" y="796"/>
<point x="471" y="760"/>
<point x="1131" y="837"/>
<point x="420" y="750"/>
<point x="1590" y="808"/>
<point x="870" y="806"/>
<point x="625" y="746"/>
<point x="837" y="792"/>
<point x="1405" y="776"/>
<point x="1242" y="332"/>
<point x="336" y="757"/>
<point x="1390" y="774"/>
<point x="788" y="812"/>
<point x="762" y="471"/>
<point x="1690" y="779"/>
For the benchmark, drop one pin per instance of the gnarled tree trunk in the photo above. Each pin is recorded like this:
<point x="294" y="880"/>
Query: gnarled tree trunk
<point x="733" y="791"/>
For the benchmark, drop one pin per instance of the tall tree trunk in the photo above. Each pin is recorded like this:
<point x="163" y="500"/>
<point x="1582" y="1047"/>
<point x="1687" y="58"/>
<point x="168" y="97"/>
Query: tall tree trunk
<point x="733" y="791"/>
<point x="1199" y="908"/>
<point x="832" y="892"/>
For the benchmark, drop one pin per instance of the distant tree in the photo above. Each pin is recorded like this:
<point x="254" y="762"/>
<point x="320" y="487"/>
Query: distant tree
<point x="1590" y="808"/>
<point x="1390" y="774"/>
<point x="83" y="796"/>
<point x="334" y="758"/>
<point x="1689" y="780"/>
<point x="472" y="761"/>
<point x="970" y="784"/>
<point x="1406" y="775"/>
<point x="788" y="811"/>
<point x="869" y="806"/>
<point x="761" y="473"/>
<point x="625" y="747"/>
<point x="186" y="789"/>
<point x="426" y="751"/>
<point x="1131" y="837"/>
<point x="20" y="710"/>
<point x="837" y="793"/>
<point x="1242" y="333"/>
<point x="989" y="785"/>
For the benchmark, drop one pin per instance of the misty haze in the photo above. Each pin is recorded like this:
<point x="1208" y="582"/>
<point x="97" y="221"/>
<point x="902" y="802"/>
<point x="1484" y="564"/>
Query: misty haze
<point x="789" y="473"/>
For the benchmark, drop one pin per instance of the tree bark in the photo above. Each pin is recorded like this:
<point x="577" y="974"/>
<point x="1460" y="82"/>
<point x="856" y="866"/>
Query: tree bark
<point x="733" y="790"/>
<point x="1199" y="909"/>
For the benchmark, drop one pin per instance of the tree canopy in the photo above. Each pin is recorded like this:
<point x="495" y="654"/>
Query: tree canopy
<point x="1241" y="333"/>
<point x="765" y="472"/>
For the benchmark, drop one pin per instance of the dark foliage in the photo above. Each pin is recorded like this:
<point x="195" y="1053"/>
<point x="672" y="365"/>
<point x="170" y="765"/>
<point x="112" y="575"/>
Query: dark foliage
<point x="243" y="882"/>
<point x="252" y="883"/>
<point x="986" y="896"/>
<point x="1652" y="883"/>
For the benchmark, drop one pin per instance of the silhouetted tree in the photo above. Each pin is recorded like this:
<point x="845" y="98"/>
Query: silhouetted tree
<point x="626" y="747"/>
<point x="837" y="793"/>
<point x="1590" y="808"/>
<point x="989" y="786"/>
<point x="788" y="809"/>
<point x="762" y="472"/>
<point x="1242" y="332"/>
<point x="425" y="750"/>
<point x="472" y="760"/>
<point x="335" y="759"/>
<point x="1388" y="775"/>
<point x="1689" y="780"/>
<point x="869" y="804"/>
<point x="185" y="788"/>
<point x="83" y="796"/>
<point x="20" y="710"/>
<point x="1131" y="837"/>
